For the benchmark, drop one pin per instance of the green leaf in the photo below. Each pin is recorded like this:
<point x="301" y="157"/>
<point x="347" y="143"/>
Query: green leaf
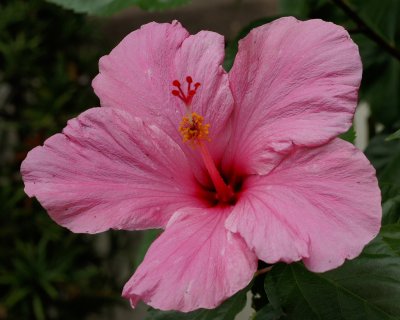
<point x="226" y="311"/>
<point x="273" y="298"/>
<point x="391" y="210"/>
<point x="349" y="135"/>
<point x="381" y="72"/>
<point x="16" y="295"/>
<point x="389" y="178"/>
<point x="381" y="16"/>
<point x="364" y="288"/>
<point x="381" y="80"/>
<point x="152" y="5"/>
<point x="269" y="313"/>
<point x="381" y="89"/>
<point x="107" y="7"/>
<point x="385" y="157"/>
<point x="94" y="6"/>
<point x="115" y="6"/>
<point x="394" y="136"/>
<point x="38" y="308"/>
<point x="381" y="152"/>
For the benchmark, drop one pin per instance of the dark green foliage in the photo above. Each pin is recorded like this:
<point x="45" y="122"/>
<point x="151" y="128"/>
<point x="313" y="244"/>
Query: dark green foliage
<point x="47" y="57"/>
<point x="99" y="7"/>
<point x="349" y="135"/>
<point x="394" y="136"/>
<point x="384" y="154"/>
<point x="365" y="288"/>
<point x="153" y="5"/>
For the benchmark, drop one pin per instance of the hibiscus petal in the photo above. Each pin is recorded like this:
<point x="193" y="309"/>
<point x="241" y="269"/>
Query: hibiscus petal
<point x="320" y="204"/>
<point x="137" y="76"/>
<point x="109" y="170"/>
<point x="197" y="259"/>
<point x="296" y="83"/>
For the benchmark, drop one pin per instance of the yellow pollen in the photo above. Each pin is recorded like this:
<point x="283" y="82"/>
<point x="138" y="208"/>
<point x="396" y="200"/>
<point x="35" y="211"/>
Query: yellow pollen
<point x="192" y="128"/>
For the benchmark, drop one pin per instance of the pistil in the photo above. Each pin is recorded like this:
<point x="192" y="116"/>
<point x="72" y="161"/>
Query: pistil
<point x="188" y="97"/>
<point x="195" y="132"/>
<point x="224" y="191"/>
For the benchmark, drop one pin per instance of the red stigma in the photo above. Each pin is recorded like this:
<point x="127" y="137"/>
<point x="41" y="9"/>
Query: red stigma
<point x="188" y="97"/>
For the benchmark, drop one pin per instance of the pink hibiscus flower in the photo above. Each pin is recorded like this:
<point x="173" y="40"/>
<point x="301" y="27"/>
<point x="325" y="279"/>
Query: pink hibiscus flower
<point x="235" y="166"/>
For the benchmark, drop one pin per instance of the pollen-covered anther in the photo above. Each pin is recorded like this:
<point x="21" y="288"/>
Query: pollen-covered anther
<point x="192" y="128"/>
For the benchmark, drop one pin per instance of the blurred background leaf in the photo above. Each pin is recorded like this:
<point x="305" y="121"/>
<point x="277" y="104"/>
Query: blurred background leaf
<point x="48" y="57"/>
<point x="100" y="7"/>
<point x="394" y="136"/>
<point x="153" y="5"/>
<point x="108" y="7"/>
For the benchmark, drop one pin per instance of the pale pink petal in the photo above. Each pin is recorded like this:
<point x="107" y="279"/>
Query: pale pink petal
<point x="320" y="204"/>
<point x="295" y="83"/>
<point x="137" y="77"/>
<point x="109" y="170"/>
<point x="195" y="263"/>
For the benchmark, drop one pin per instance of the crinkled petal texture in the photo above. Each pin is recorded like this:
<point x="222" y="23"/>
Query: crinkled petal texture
<point x="195" y="263"/>
<point x="109" y="170"/>
<point x="320" y="204"/>
<point x="137" y="77"/>
<point x="294" y="83"/>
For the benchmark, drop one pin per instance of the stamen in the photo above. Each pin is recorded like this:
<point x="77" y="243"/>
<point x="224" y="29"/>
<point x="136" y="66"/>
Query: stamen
<point x="192" y="128"/>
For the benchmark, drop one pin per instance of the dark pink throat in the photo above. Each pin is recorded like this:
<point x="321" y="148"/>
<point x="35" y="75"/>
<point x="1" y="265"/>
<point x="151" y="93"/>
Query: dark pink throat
<point x="227" y="186"/>
<point x="224" y="192"/>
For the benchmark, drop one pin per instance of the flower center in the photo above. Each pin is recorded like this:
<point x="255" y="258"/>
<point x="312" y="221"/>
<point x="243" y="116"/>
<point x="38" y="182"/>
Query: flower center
<point x="195" y="132"/>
